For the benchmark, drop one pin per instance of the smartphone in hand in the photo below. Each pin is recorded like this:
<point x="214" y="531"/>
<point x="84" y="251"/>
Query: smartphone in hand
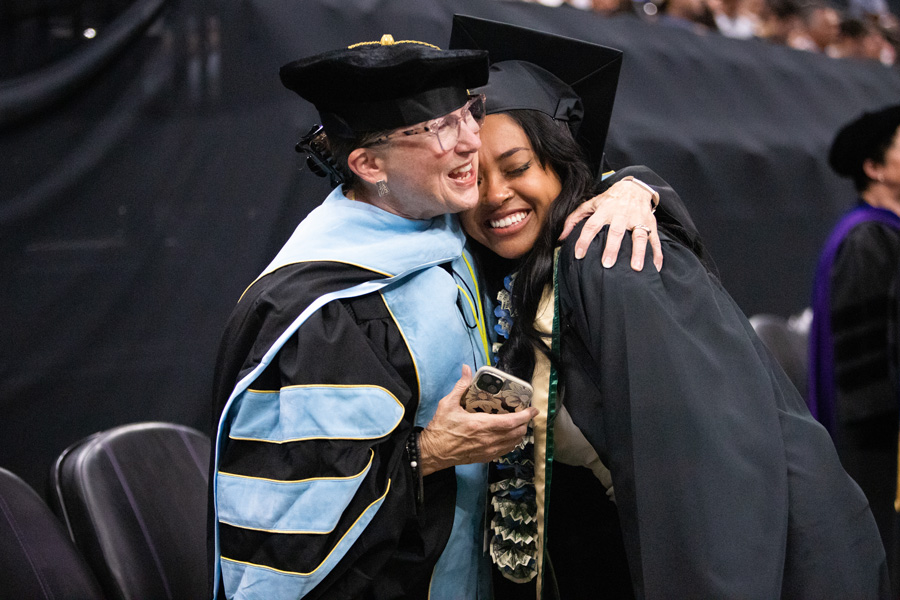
<point x="495" y="392"/>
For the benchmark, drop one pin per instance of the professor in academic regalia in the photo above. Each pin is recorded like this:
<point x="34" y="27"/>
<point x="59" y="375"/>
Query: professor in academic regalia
<point x="854" y="374"/>
<point x="344" y="466"/>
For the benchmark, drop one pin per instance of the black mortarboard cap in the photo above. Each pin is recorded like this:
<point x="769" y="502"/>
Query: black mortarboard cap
<point x="515" y="84"/>
<point x="375" y="86"/>
<point x="859" y="140"/>
<point x="588" y="69"/>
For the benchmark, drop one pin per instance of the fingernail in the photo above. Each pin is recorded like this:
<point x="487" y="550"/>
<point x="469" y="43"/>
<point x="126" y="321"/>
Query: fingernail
<point x="579" y="253"/>
<point x="608" y="262"/>
<point x="637" y="265"/>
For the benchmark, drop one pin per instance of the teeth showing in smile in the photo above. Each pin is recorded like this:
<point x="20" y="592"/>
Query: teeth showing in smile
<point x="461" y="172"/>
<point x="507" y="220"/>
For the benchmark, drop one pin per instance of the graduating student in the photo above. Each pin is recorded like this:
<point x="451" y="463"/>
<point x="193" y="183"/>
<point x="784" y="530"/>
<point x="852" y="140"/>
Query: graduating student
<point x="724" y="485"/>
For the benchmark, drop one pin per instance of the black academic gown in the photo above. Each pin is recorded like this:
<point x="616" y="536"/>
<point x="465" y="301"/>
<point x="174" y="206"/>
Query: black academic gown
<point x="331" y="359"/>
<point x="356" y="342"/>
<point x="864" y="301"/>
<point x="726" y="487"/>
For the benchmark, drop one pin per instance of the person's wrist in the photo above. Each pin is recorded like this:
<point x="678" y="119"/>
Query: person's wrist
<point x="427" y="460"/>
<point x="654" y="195"/>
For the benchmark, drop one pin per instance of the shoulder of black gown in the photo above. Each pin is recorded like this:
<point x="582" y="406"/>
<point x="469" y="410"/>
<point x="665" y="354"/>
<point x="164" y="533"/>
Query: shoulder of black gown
<point x="864" y="300"/>
<point x="871" y="250"/>
<point x="266" y="309"/>
<point x="864" y="279"/>
<point x="591" y="295"/>
<point x="671" y="212"/>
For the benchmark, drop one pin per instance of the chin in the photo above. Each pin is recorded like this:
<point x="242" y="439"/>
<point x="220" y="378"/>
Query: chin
<point x="466" y="200"/>
<point x="508" y="252"/>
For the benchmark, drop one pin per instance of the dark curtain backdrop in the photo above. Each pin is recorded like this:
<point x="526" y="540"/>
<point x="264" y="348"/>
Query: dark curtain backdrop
<point x="135" y="209"/>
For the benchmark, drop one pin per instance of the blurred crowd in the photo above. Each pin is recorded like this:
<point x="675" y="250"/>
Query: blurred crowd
<point x="865" y="29"/>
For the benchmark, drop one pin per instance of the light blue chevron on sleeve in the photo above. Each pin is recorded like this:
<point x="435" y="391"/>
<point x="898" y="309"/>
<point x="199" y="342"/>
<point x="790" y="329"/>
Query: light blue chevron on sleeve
<point x="308" y="506"/>
<point x="316" y="412"/>
<point x="255" y="582"/>
<point x="425" y="245"/>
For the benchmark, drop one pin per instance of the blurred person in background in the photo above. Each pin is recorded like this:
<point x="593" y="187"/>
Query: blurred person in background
<point x="610" y="8"/>
<point x="860" y="38"/>
<point x="854" y="356"/>
<point x="735" y="18"/>
<point x="781" y="21"/>
<point x="821" y="28"/>
<point x="868" y="9"/>
<point x="879" y="35"/>
<point x="692" y="15"/>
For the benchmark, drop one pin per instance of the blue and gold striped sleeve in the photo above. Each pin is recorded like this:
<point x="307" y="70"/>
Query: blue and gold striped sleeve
<point x="312" y="474"/>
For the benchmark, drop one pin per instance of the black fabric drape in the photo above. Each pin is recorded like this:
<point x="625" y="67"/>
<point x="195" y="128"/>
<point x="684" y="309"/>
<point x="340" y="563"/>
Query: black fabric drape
<point x="133" y="214"/>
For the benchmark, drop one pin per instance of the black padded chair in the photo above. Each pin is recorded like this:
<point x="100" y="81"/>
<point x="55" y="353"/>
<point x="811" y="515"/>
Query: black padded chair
<point x="787" y="339"/>
<point x="134" y="499"/>
<point x="37" y="559"/>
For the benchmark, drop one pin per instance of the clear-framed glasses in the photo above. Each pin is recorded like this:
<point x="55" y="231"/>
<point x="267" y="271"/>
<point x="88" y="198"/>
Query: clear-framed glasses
<point x="446" y="128"/>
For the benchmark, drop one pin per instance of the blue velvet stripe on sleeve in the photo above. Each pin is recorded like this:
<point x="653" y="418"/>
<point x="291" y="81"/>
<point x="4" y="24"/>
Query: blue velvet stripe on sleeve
<point x="315" y="412"/>
<point x="307" y="506"/>
<point x="395" y="249"/>
<point x="255" y="581"/>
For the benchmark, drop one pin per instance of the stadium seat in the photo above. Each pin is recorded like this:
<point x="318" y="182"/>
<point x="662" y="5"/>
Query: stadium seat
<point x="134" y="499"/>
<point x="37" y="559"/>
<point x="787" y="339"/>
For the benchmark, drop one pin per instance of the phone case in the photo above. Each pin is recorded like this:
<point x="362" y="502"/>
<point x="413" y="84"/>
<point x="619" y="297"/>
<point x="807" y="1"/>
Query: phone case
<point x="493" y="391"/>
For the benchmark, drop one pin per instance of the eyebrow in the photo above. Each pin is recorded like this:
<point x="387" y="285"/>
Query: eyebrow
<point x="510" y="152"/>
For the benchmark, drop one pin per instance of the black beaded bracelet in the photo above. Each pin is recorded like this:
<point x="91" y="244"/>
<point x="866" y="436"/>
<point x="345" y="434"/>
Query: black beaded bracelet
<point x="415" y="461"/>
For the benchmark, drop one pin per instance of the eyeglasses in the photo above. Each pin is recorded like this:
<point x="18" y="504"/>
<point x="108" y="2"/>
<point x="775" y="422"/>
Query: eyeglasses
<point x="446" y="128"/>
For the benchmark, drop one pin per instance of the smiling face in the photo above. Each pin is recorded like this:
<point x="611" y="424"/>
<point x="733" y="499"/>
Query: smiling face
<point x="515" y="191"/>
<point x="426" y="181"/>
